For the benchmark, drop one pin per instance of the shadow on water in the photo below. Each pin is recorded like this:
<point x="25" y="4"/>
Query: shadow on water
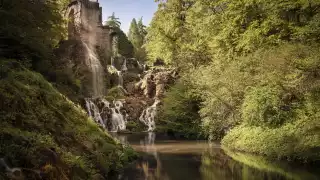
<point x="166" y="159"/>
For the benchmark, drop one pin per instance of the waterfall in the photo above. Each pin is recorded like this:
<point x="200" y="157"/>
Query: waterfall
<point x="94" y="112"/>
<point x="118" y="120"/>
<point x="148" y="116"/>
<point x="97" y="72"/>
<point x="124" y="66"/>
<point x="106" y="113"/>
<point x="120" y="77"/>
<point x="119" y="72"/>
<point x="88" y="107"/>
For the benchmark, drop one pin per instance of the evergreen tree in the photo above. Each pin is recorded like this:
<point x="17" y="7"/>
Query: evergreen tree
<point x="113" y="21"/>
<point x="134" y="34"/>
<point x="142" y="29"/>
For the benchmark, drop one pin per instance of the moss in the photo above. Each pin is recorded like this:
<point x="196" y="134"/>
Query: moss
<point x="35" y="119"/>
<point x="115" y="93"/>
<point x="135" y="126"/>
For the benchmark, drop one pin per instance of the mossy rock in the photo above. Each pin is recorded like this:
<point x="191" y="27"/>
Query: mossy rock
<point x="133" y="126"/>
<point x="41" y="127"/>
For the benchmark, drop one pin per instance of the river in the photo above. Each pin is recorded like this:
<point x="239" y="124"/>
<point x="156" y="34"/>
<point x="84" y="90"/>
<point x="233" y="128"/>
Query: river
<point x="163" y="158"/>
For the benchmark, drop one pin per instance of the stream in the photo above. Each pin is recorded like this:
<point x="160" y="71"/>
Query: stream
<point x="164" y="158"/>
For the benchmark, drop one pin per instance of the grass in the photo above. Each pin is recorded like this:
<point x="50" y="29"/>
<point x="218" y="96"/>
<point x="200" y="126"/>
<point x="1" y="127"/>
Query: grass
<point x="35" y="118"/>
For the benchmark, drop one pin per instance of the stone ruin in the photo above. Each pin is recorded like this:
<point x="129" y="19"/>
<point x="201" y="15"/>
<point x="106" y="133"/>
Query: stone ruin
<point x="90" y="53"/>
<point x="85" y="23"/>
<point x="89" y="47"/>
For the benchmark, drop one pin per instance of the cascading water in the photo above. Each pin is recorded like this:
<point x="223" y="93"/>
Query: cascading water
<point x="124" y="65"/>
<point x="119" y="72"/>
<point x="148" y="116"/>
<point x="106" y="113"/>
<point x="120" y="77"/>
<point x="97" y="72"/>
<point x="118" y="120"/>
<point x="97" y="114"/>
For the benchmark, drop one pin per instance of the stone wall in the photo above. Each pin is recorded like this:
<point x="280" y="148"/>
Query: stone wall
<point x="85" y="24"/>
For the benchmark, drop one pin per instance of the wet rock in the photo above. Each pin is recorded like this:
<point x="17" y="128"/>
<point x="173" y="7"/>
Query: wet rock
<point x="155" y="81"/>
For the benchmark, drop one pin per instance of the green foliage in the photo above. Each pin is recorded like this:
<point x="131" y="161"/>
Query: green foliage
<point x="113" y="21"/>
<point x="165" y="31"/>
<point x="30" y="29"/>
<point x="255" y="65"/>
<point x="262" y="106"/>
<point x="125" y="47"/>
<point x="115" y="93"/>
<point x="274" y="104"/>
<point x="135" y="126"/>
<point x="179" y="113"/>
<point x="298" y="140"/>
<point x="35" y="118"/>
<point x="142" y="29"/>
<point x="194" y="31"/>
<point x="136" y="36"/>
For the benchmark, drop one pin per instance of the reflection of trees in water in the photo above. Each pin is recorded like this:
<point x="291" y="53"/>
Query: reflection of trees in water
<point x="151" y="172"/>
<point x="217" y="165"/>
<point x="123" y="139"/>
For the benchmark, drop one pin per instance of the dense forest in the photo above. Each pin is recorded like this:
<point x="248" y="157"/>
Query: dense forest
<point x="244" y="73"/>
<point x="249" y="73"/>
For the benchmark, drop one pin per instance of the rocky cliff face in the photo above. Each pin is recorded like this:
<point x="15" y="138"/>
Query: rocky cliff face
<point x="80" y="65"/>
<point x="114" y="89"/>
<point x="138" y="94"/>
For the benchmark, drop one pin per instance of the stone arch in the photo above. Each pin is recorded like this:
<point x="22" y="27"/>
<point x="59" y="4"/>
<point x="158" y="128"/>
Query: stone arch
<point x="114" y="42"/>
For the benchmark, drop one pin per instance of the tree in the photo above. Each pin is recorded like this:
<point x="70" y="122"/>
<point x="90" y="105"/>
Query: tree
<point x="113" y="21"/>
<point x="30" y="29"/>
<point x="255" y="65"/>
<point x="142" y="29"/>
<point x="166" y="31"/>
<point x="136" y="36"/>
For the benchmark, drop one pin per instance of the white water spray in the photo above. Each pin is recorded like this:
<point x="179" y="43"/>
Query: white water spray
<point x="148" y="116"/>
<point x="97" y="72"/>
<point x="117" y="120"/>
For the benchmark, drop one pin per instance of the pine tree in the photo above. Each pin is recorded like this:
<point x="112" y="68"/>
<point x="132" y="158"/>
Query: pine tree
<point x="142" y="29"/>
<point x="113" y="21"/>
<point x="134" y="35"/>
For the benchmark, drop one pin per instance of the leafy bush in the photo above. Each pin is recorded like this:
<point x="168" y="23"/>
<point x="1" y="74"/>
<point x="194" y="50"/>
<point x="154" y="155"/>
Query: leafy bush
<point x="179" y="113"/>
<point x="263" y="106"/>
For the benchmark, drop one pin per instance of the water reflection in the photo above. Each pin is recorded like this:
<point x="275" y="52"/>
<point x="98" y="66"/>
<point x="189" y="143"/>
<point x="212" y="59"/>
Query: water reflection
<point x="165" y="159"/>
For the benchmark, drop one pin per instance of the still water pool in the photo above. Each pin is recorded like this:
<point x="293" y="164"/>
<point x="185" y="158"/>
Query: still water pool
<point x="163" y="158"/>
